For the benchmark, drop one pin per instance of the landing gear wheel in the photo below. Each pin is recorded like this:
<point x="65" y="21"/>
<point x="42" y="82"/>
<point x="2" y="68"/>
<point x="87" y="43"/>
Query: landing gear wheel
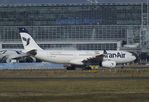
<point x="70" y="68"/>
<point x="87" y="68"/>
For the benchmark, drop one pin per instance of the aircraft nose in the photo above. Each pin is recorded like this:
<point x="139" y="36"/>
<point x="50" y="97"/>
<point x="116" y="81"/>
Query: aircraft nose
<point x="134" y="56"/>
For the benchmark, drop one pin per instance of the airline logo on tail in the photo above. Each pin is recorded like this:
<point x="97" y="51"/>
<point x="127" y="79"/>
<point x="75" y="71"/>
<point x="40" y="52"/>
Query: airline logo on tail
<point x="27" y="40"/>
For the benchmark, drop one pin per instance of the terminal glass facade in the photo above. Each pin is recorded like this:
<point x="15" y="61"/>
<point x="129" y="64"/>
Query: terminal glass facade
<point x="71" y="15"/>
<point x="85" y="27"/>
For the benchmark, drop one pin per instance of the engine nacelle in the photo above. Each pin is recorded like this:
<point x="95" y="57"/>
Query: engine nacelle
<point x="11" y="60"/>
<point x="29" y="59"/>
<point x="109" y="64"/>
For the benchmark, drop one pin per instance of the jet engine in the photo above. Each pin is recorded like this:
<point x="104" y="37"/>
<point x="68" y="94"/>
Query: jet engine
<point x="109" y="64"/>
<point x="27" y="59"/>
<point x="11" y="60"/>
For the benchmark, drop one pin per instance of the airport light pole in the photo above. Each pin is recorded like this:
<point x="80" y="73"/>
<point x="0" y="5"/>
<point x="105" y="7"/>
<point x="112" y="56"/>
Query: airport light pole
<point x="141" y="27"/>
<point x="148" y="21"/>
<point x="148" y="14"/>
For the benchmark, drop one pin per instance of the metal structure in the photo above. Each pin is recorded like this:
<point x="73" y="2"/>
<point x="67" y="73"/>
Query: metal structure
<point x="93" y="1"/>
<point x="148" y="14"/>
<point x="91" y="25"/>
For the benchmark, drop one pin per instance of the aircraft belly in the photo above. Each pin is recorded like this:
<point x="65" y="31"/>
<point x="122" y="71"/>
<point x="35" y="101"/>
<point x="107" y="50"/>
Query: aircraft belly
<point x="60" y="60"/>
<point x="120" y="60"/>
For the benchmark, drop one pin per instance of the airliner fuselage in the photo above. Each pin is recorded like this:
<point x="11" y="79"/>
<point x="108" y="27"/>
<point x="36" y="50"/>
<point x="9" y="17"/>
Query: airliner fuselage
<point x="86" y="58"/>
<point x="75" y="57"/>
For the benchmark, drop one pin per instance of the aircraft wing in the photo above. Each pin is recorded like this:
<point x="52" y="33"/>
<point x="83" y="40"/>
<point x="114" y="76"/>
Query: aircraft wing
<point x="94" y="60"/>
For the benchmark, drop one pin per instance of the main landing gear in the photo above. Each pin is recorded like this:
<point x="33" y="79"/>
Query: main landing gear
<point x="74" y="67"/>
<point x="70" y="67"/>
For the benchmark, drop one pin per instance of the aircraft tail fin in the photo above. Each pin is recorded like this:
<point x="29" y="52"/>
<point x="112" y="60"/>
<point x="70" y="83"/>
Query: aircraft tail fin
<point x="28" y="42"/>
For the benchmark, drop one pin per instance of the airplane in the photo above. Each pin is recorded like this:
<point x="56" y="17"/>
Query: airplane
<point x="14" y="56"/>
<point x="75" y="58"/>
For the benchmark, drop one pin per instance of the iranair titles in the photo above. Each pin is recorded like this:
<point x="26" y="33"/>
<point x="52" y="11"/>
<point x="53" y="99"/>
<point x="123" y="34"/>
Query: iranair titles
<point x="115" y="55"/>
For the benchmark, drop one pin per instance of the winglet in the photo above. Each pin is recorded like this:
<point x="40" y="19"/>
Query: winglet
<point x="23" y="30"/>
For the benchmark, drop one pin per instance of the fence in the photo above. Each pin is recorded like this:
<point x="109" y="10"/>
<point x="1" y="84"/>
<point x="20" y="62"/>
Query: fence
<point x="22" y="66"/>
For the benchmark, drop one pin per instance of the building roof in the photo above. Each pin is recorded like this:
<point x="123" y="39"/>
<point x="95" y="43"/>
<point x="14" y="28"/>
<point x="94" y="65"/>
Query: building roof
<point x="11" y="2"/>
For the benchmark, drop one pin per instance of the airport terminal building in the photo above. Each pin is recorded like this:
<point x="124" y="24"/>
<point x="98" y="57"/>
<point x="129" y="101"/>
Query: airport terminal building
<point x="78" y="24"/>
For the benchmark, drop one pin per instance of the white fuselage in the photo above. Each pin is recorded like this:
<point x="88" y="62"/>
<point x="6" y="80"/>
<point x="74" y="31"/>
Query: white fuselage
<point x="110" y="59"/>
<point x="76" y="57"/>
